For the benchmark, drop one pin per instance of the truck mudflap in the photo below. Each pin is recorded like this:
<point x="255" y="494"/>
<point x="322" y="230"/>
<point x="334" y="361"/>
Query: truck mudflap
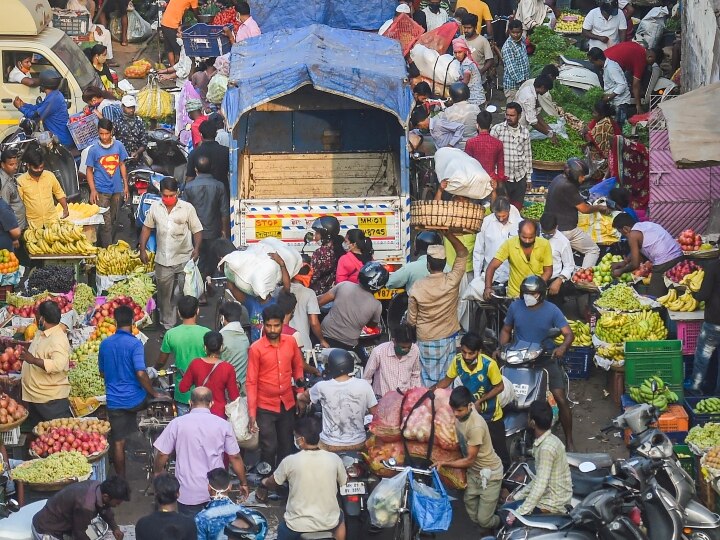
<point x="289" y="220"/>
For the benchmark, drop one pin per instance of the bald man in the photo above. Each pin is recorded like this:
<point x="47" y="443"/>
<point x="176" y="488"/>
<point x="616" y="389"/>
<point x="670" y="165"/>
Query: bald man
<point x="199" y="440"/>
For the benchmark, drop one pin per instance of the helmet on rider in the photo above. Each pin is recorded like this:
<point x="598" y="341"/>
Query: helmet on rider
<point x="248" y="525"/>
<point x="28" y="126"/>
<point x="459" y="91"/>
<point x="326" y="226"/>
<point x="50" y="79"/>
<point x="576" y="170"/>
<point x="339" y="362"/>
<point x="425" y="239"/>
<point x="373" y="276"/>
<point x="534" y="285"/>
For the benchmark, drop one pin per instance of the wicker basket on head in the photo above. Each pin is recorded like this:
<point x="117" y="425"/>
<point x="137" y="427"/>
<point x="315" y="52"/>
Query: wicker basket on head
<point x="447" y="214"/>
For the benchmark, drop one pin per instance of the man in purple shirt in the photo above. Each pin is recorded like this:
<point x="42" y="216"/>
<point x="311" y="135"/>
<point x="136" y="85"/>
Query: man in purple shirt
<point x="199" y="440"/>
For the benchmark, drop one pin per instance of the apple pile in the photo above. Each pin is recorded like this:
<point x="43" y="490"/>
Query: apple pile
<point x="643" y="270"/>
<point x="68" y="439"/>
<point x="107" y="310"/>
<point x="689" y="240"/>
<point x="28" y="312"/>
<point x="584" y="275"/>
<point x="10" y="410"/>
<point x="680" y="270"/>
<point x="10" y="359"/>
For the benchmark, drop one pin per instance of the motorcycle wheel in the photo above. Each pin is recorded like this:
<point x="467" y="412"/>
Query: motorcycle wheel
<point x="84" y="193"/>
<point x="403" y="528"/>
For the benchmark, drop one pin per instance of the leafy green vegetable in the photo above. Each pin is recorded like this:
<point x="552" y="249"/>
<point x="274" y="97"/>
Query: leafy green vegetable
<point x="548" y="47"/>
<point x="579" y="105"/>
<point x="546" y="150"/>
<point x="672" y="24"/>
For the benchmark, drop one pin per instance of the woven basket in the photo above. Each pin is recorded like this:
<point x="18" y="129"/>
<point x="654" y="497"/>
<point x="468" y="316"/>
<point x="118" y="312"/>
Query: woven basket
<point x="444" y="215"/>
<point x="548" y="165"/>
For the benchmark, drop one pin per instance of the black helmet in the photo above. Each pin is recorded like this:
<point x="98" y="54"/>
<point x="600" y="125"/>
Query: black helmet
<point x="327" y="226"/>
<point x="373" y="276"/>
<point x="339" y="362"/>
<point x="575" y="169"/>
<point x="256" y="526"/>
<point x="534" y="285"/>
<point x="459" y="91"/>
<point x="28" y="126"/>
<point x="50" y="79"/>
<point x="425" y="239"/>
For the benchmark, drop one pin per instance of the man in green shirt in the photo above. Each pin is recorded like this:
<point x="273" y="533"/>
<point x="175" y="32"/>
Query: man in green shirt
<point x="484" y="468"/>
<point x="235" y="341"/>
<point x="185" y="343"/>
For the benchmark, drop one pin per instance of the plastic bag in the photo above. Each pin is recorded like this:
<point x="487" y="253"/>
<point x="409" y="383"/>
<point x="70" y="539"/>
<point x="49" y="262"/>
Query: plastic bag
<point x="558" y="128"/>
<point x="237" y="414"/>
<point x="596" y="167"/>
<point x="439" y="39"/>
<point x="385" y="500"/>
<point x="193" y="280"/>
<point x="507" y="396"/>
<point x="138" y="28"/>
<point x="138" y="69"/>
<point x="431" y="507"/>
<point x="602" y="189"/>
<point x="651" y="28"/>
<point x="464" y="174"/>
<point x="217" y="87"/>
<point x="154" y="102"/>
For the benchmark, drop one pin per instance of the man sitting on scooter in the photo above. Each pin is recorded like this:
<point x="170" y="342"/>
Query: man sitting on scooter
<point x="551" y="489"/>
<point x="532" y="319"/>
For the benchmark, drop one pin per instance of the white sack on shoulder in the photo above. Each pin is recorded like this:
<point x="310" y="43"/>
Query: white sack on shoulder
<point x="464" y="174"/>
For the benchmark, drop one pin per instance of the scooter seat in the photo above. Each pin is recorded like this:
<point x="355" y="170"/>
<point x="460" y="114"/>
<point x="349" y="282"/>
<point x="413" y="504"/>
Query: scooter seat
<point x="326" y="535"/>
<point x="600" y="460"/>
<point x="585" y="483"/>
<point x="550" y="522"/>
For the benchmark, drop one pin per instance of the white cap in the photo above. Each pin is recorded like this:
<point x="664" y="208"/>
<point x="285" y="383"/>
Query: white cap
<point x="402" y="8"/>
<point x="129" y="101"/>
<point x="436" y="252"/>
<point x="623" y="3"/>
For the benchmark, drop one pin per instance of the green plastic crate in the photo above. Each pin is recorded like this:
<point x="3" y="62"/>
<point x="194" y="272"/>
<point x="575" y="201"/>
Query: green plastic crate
<point x="644" y="359"/>
<point x="687" y="463"/>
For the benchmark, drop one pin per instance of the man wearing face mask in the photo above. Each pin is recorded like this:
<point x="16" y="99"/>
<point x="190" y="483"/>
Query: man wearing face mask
<point x="107" y="177"/>
<point x="220" y="511"/>
<point x="394" y="365"/>
<point x="45" y="385"/>
<point x="530" y="319"/>
<point x="528" y="255"/>
<point x="38" y="190"/>
<point x="179" y="237"/>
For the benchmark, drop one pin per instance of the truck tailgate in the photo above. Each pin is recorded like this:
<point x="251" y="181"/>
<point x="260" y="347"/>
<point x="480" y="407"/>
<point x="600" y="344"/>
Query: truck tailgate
<point x="290" y="219"/>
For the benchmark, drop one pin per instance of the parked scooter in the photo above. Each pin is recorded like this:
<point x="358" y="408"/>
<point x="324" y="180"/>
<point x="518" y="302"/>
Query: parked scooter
<point x="165" y="154"/>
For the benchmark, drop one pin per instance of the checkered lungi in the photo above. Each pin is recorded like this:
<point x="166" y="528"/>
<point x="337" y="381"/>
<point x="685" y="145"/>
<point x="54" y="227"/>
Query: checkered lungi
<point x="435" y="356"/>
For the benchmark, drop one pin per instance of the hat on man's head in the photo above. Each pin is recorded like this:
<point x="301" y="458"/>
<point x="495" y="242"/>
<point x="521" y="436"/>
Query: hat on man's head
<point x="437" y="252"/>
<point x="129" y="101"/>
<point x="623" y="3"/>
<point x="402" y="8"/>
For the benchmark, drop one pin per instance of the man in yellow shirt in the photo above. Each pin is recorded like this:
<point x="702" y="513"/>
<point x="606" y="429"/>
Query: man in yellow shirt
<point x="45" y="384"/>
<point x="528" y="255"/>
<point x="482" y="11"/>
<point x="37" y="187"/>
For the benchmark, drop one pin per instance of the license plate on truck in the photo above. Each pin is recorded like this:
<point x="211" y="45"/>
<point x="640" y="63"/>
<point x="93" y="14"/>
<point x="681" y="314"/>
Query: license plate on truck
<point x="353" y="488"/>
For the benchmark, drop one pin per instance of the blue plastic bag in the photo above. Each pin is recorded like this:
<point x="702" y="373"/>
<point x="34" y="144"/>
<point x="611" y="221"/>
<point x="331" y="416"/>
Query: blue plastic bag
<point x="432" y="511"/>
<point x="602" y="189"/>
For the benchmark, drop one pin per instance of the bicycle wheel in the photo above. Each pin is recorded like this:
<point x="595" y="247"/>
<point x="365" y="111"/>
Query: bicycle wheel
<point x="403" y="528"/>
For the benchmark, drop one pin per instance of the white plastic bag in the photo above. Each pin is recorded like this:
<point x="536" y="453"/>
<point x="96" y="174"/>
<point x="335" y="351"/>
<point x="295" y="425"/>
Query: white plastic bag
<point x="385" y="500"/>
<point x="193" y="280"/>
<point x="507" y="396"/>
<point x="138" y="28"/>
<point x="558" y="128"/>
<point x="441" y="68"/>
<point x="464" y="174"/>
<point x="237" y="414"/>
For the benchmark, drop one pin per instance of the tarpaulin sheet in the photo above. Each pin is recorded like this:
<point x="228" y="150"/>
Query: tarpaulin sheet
<point x="693" y="124"/>
<point x="360" y="66"/>
<point x="370" y="15"/>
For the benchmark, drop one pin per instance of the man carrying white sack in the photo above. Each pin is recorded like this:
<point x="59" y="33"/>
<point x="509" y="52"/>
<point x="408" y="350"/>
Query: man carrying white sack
<point x="462" y="175"/>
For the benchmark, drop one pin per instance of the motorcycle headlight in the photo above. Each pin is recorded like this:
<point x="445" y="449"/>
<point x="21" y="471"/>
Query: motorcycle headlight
<point x="353" y="471"/>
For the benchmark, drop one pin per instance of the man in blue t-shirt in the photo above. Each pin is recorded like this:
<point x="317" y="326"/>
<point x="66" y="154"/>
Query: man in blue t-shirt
<point x="52" y="111"/>
<point x="121" y="362"/>
<point x="531" y="319"/>
<point x="107" y="177"/>
<point x="9" y="228"/>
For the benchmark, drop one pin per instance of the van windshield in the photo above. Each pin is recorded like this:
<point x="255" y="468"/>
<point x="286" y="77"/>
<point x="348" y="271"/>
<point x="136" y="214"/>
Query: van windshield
<point x="76" y="62"/>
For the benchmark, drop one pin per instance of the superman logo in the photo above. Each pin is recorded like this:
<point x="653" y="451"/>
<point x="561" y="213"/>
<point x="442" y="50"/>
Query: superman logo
<point x="110" y="163"/>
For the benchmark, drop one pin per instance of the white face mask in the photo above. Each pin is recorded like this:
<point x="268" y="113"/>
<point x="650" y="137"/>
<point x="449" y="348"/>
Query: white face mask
<point x="346" y="246"/>
<point x="296" y="443"/>
<point x="530" y="300"/>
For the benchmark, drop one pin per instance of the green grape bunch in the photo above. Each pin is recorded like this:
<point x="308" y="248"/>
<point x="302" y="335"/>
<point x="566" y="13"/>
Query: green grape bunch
<point x="54" y="468"/>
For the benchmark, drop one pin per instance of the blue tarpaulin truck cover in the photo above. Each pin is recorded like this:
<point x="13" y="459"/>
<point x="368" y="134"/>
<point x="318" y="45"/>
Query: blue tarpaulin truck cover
<point x="369" y="15"/>
<point x="360" y="66"/>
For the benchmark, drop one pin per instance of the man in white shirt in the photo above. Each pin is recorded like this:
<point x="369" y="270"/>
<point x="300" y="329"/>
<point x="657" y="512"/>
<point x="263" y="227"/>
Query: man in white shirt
<point x="20" y="74"/>
<point x="400" y="9"/>
<point x="563" y="260"/>
<point x="495" y="230"/>
<point x="345" y="401"/>
<point x="435" y="16"/>
<point x="314" y="476"/>
<point x="604" y="26"/>
<point x="528" y="98"/>
<point x="545" y="101"/>
<point x="615" y="84"/>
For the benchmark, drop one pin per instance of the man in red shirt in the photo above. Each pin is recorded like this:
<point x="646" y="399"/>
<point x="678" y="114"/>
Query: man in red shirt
<point x="487" y="149"/>
<point x="274" y="361"/>
<point x="634" y="58"/>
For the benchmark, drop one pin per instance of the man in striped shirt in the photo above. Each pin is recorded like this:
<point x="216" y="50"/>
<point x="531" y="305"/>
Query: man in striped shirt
<point x="394" y="365"/>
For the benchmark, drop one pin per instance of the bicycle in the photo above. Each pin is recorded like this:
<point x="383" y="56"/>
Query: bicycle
<point x="405" y="529"/>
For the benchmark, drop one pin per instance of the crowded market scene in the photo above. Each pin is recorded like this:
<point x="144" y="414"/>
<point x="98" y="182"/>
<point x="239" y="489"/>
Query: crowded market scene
<point x="400" y="269"/>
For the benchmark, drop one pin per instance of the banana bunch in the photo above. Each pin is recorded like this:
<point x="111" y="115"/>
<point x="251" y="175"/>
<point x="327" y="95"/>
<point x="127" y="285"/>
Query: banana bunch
<point x="659" y="399"/>
<point x="581" y="331"/>
<point x="615" y="351"/>
<point x="638" y="326"/>
<point x="693" y="280"/>
<point x="685" y="302"/>
<point x="58" y="238"/>
<point x="119" y="260"/>
<point x="708" y="405"/>
<point x="79" y="211"/>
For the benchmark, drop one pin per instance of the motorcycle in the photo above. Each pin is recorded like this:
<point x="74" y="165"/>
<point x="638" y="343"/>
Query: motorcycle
<point x="520" y="359"/>
<point x="140" y="182"/>
<point x="165" y="154"/>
